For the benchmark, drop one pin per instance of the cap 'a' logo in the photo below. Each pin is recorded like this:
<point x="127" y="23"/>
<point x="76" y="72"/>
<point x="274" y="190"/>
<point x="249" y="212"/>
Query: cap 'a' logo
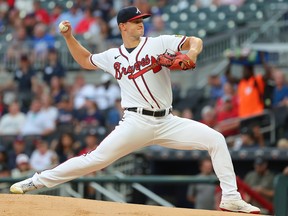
<point x="138" y="11"/>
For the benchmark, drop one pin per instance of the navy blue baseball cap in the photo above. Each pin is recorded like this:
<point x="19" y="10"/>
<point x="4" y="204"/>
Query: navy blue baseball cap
<point x="130" y="13"/>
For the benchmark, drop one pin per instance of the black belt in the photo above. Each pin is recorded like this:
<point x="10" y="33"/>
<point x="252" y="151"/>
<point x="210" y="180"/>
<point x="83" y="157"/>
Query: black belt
<point x="158" y="113"/>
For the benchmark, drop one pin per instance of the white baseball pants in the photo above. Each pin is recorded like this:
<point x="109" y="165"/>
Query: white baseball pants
<point x="137" y="131"/>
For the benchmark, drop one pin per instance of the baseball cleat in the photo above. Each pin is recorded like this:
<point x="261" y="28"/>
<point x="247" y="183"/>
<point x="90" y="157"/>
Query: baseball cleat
<point x="23" y="186"/>
<point x="238" y="206"/>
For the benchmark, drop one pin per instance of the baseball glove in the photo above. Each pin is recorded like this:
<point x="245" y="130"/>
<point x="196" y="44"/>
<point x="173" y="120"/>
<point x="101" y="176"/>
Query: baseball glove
<point x="176" y="61"/>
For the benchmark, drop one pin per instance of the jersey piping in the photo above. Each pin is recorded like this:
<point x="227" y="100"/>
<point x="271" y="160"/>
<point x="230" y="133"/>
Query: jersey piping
<point x="151" y="95"/>
<point x="123" y="54"/>
<point x="134" y="79"/>
<point x="90" y="58"/>
<point x="181" y="43"/>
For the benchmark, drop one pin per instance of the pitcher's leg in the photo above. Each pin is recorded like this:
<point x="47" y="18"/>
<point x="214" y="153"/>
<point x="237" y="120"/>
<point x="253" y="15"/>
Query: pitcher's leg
<point x="75" y="167"/>
<point x="133" y="133"/>
<point x="116" y="145"/>
<point x="179" y="133"/>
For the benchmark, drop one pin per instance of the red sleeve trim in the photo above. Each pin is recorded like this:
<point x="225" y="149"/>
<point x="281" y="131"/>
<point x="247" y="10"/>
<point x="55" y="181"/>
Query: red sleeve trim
<point x="92" y="61"/>
<point x="181" y="43"/>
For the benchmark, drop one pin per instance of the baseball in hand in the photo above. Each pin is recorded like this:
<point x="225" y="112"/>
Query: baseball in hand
<point x="62" y="27"/>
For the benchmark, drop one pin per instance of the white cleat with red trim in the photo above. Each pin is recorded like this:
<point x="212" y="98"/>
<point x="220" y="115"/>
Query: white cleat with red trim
<point x="238" y="206"/>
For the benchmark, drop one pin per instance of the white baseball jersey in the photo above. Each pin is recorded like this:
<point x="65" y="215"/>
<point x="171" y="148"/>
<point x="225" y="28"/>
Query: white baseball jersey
<point x="143" y="83"/>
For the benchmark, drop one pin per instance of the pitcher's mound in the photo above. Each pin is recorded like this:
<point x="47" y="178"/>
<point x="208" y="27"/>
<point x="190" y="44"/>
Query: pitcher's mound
<point x="40" y="205"/>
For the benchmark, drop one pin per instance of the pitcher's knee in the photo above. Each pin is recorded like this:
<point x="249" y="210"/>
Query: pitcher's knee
<point x="218" y="141"/>
<point x="96" y="161"/>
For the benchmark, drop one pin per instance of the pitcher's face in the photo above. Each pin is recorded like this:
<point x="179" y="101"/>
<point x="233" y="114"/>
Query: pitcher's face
<point x="134" y="28"/>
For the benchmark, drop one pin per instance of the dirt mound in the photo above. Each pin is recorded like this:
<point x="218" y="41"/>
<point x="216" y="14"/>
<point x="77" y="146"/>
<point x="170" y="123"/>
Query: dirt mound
<point x="41" y="205"/>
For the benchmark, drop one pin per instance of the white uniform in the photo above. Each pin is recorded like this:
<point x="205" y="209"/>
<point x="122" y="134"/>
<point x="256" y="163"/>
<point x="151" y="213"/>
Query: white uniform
<point x="146" y="85"/>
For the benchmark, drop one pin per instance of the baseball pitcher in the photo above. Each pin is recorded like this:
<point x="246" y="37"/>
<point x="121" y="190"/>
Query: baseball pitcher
<point x="142" y="67"/>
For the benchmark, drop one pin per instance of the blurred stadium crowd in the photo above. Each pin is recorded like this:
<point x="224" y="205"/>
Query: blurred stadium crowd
<point x="45" y="121"/>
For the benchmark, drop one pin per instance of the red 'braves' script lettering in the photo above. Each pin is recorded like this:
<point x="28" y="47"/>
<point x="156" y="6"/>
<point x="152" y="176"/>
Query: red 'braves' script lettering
<point x="119" y="71"/>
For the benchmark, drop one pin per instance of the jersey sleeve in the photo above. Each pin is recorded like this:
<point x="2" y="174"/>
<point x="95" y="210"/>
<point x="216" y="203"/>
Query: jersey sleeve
<point x="101" y="60"/>
<point x="173" y="42"/>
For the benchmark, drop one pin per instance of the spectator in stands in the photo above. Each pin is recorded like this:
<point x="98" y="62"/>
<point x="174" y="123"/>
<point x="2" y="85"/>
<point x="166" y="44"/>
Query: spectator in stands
<point x="24" y="6"/>
<point x="66" y="147"/>
<point x="89" y="116"/>
<point x="12" y="122"/>
<point x="261" y="179"/>
<point x="280" y="103"/>
<point x="18" y="147"/>
<point x="216" y="87"/>
<point x="106" y="93"/>
<point x="91" y="142"/>
<point x="208" y="116"/>
<point x="251" y="138"/>
<point x="114" y="30"/>
<point x="30" y="22"/>
<point x="42" y="157"/>
<point x="114" y="115"/>
<point x="36" y="122"/>
<point x="98" y="27"/>
<point x="57" y="89"/>
<point x="227" y="111"/>
<point x="74" y="15"/>
<point x="42" y="41"/>
<point x="229" y="77"/>
<point x="81" y="90"/>
<point x="248" y="139"/>
<point x="13" y="18"/>
<point x="25" y="82"/>
<point x="111" y="18"/>
<point x="90" y="4"/>
<point x="65" y="119"/>
<point x="85" y="23"/>
<point x="23" y="168"/>
<point x="228" y="92"/>
<point x="255" y="90"/>
<point x="280" y="94"/>
<point x="4" y="8"/>
<point x="227" y="116"/>
<point x="48" y="108"/>
<point x="53" y="66"/>
<point x="250" y="93"/>
<point x="203" y="195"/>
<point x="41" y="13"/>
<point x="54" y="15"/>
<point x="19" y="44"/>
